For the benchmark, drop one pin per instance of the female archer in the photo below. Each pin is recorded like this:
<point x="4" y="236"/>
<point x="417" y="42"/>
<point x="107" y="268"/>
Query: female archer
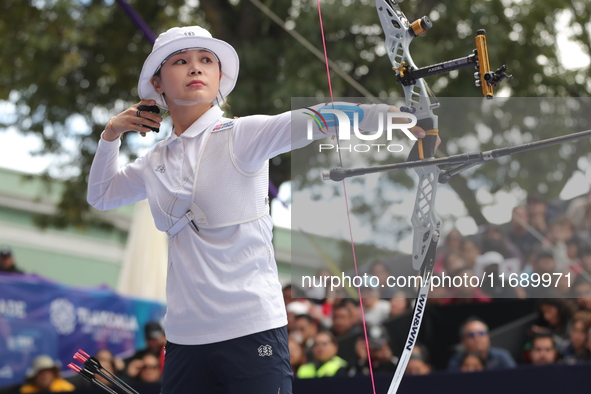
<point x="207" y="187"/>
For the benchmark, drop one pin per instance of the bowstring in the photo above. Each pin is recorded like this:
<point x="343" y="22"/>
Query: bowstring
<point x="373" y="384"/>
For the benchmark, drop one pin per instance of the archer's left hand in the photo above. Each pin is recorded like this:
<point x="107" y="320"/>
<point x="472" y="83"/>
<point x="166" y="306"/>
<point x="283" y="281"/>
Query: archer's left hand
<point x="416" y="130"/>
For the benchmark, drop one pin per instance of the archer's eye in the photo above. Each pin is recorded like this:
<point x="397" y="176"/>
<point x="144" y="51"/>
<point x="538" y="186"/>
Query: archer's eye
<point x="180" y="61"/>
<point x="207" y="59"/>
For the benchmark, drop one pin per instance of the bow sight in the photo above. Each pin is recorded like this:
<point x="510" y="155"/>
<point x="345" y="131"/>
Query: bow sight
<point x="408" y="75"/>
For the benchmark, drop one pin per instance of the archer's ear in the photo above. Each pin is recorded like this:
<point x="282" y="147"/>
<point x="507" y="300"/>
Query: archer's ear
<point x="157" y="84"/>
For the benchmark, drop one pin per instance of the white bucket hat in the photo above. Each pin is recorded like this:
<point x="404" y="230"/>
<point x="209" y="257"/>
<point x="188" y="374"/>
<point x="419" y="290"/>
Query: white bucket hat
<point x="190" y="37"/>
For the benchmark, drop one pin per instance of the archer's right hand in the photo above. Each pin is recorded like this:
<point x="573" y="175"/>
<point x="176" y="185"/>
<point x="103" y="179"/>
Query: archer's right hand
<point x="132" y="119"/>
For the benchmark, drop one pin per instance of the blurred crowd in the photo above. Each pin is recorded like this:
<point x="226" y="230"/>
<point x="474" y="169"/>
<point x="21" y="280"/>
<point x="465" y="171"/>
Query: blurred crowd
<point x="326" y="335"/>
<point x="559" y="335"/>
<point x="541" y="241"/>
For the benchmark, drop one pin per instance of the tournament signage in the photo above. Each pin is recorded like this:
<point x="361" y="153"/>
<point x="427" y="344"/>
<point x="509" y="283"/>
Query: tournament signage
<point x="42" y="317"/>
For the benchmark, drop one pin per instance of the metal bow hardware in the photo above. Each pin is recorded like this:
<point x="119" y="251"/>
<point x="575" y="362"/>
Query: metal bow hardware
<point x="420" y="101"/>
<point x="399" y="33"/>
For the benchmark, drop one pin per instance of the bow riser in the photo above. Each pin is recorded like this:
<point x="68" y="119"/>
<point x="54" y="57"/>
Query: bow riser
<point x="399" y="33"/>
<point x="424" y="220"/>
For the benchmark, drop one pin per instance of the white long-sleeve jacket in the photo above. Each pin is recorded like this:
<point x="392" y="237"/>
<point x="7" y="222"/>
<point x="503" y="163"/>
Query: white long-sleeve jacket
<point x="222" y="281"/>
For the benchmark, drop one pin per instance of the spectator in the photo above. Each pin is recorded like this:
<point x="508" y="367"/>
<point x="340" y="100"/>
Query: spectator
<point x="465" y="293"/>
<point x="155" y="341"/>
<point x="382" y="360"/>
<point x="304" y="331"/>
<point x="543" y="351"/>
<point x="491" y="265"/>
<point x="325" y="362"/>
<point x="44" y="376"/>
<point x="295" y="308"/>
<point x="488" y="259"/>
<point x="554" y="316"/>
<point x="318" y="293"/>
<point x="470" y="252"/>
<point x="585" y="255"/>
<point x="472" y="362"/>
<point x="320" y="299"/>
<point x="453" y="241"/>
<point x="493" y="240"/>
<point x="521" y="233"/>
<point x="382" y="272"/>
<point x="573" y="247"/>
<point x="109" y="362"/>
<point x="146" y="369"/>
<point x="453" y="244"/>
<point x="543" y="264"/>
<point x="576" y="352"/>
<point x="559" y="232"/>
<point x="417" y="365"/>
<point x="286" y="291"/>
<point x="338" y="293"/>
<point x="7" y="264"/>
<point x="586" y="231"/>
<point x="353" y="307"/>
<point x="576" y="211"/>
<point x="342" y="321"/>
<point x="399" y="303"/>
<point x="376" y="310"/>
<point x="437" y="293"/>
<point x="537" y="210"/>
<point x="563" y="284"/>
<point x="421" y="350"/>
<point x="475" y="338"/>
<point x="292" y="293"/>
<point x="297" y="356"/>
<point x="582" y="292"/>
<point x="452" y="262"/>
<point x="150" y="371"/>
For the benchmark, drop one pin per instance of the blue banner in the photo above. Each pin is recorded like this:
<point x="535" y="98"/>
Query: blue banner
<point x="41" y="317"/>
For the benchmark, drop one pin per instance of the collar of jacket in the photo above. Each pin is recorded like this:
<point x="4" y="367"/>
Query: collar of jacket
<point x="199" y="126"/>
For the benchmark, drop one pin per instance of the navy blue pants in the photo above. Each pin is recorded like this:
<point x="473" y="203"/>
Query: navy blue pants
<point x="254" y="364"/>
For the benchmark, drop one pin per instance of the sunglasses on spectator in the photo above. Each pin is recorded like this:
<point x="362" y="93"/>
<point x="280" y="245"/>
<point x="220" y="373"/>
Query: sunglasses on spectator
<point x="151" y="367"/>
<point x="474" y="334"/>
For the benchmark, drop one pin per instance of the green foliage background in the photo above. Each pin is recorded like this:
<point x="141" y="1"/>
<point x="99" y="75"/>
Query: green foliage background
<point x="65" y="58"/>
